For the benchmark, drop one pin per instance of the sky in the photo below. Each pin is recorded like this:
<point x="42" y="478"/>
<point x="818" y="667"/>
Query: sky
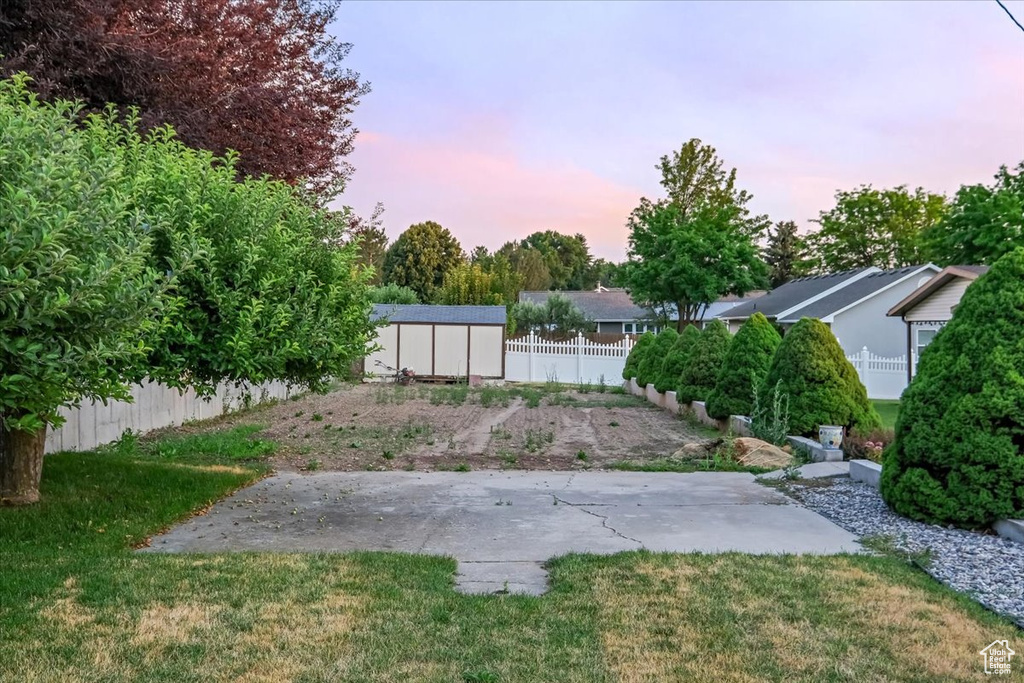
<point x="500" y="119"/>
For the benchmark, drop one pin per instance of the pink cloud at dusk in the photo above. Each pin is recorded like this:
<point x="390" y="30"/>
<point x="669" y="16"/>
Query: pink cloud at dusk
<point x="474" y="185"/>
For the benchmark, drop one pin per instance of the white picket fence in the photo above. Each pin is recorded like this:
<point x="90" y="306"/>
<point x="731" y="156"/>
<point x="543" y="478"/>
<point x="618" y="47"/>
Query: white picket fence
<point x="154" y="406"/>
<point x="885" y="378"/>
<point x="574" y="361"/>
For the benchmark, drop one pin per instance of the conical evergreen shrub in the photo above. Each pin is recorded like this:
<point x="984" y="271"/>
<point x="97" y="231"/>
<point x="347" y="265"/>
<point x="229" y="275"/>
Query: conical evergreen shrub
<point x="636" y="354"/>
<point x="664" y="346"/>
<point x="958" y="455"/>
<point x="823" y="387"/>
<point x="650" y="365"/>
<point x="703" y="363"/>
<point x="675" y="360"/>
<point x="745" y="365"/>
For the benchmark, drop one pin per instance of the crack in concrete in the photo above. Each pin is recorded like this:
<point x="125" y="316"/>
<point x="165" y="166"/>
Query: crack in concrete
<point x="582" y="507"/>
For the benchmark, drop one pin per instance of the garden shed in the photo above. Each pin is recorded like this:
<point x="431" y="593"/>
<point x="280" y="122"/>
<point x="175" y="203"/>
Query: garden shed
<point x="440" y="342"/>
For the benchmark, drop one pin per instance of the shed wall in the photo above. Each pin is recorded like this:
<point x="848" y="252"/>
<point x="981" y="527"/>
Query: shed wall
<point x="487" y="351"/>
<point x="450" y="350"/>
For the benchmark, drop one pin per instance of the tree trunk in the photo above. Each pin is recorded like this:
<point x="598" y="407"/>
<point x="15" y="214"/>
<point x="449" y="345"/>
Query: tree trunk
<point x="21" y="465"/>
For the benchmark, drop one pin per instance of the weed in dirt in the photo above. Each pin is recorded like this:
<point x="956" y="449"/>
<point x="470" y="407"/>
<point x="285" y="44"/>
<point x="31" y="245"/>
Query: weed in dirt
<point x="613" y="423"/>
<point x="495" y="395"/>
<point x="355" y="444"/>
<point x="507" y="458"/>
<point x="317" y="417"/>
<point x="454" y="395"/>
<point x="312" y="465"/>
<point x="581" y="455"/>
<point x="500" y="433"/>
<point x="536" y="439"/>
<point x="584" y="387"/>
<point x="388" y="455"/>
<point x="300" y="413"/>
<point x="452" y="443"/>
<point x="602" y="386"/>
<point x="462" y="467"/>
<point x="562" y="400"/>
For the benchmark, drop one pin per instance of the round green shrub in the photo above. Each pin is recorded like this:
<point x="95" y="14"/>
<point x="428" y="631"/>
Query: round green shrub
<point x="650" y="365"/>
<point x="675" y="360"/>
<point x="823" y="387"/>
<point x="636" y="354"/>
<point x="661" y="350"/>
<point x="745" y="366"/>
<point x="703" y="363"/>
<point x="958" y="455"/>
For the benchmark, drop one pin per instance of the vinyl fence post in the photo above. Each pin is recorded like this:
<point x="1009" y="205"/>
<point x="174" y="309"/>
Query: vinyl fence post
<point x="533" y="350"/>
<point x="579" y="357"/>
<point x="865" y="357"/>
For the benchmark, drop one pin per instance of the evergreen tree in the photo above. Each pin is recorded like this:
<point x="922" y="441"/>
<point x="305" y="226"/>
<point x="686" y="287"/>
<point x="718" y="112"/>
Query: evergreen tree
<point x="745" y="366"/>
<point x="785" y="254"/>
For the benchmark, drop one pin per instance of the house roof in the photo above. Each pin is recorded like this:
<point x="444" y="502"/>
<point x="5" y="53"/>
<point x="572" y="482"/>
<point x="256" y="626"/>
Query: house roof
<point x="795" y="293"/>
<point x="615" y="305"/>
<point x="609" y="305"/>
<point x="944" y="276"/>
<point x="422" y="313"/>
<point x="856" y="291"/>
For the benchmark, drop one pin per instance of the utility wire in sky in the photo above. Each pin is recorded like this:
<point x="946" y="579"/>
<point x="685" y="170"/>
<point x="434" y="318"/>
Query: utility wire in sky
<point x="1010" y="15"/>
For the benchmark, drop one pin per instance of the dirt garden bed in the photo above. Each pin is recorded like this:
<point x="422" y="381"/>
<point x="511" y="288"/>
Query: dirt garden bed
<point x="384" y="427"/>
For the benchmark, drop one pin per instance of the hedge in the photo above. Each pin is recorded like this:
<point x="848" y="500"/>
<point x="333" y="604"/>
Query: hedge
<point x="675" y="360"/>
<point x="662" y="349"/>
<point x="823" y="387"/>
<point x="650" y="365"/>
<point x="703" y="363"/>
<point x="745" y="365"/>
<point x="958" y="455"/>
<point x="636" y="354"/>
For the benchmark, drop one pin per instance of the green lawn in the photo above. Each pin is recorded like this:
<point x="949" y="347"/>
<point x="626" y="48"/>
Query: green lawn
<point x="77" y="604"/>
<point x="888" y="410"/>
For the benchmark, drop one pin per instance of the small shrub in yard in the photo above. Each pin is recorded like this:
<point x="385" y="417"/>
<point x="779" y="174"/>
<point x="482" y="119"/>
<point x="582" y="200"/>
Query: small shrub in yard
<point x="674" y="361"/>
<point x="769" y="416"/>
<point x="703" y="363"/>
<point x="958" y="454"/>
<point x="663" y="346"/>
<point x="650" y="365"/>
<point x="867" y="444"/>
<point x="636" y="354"/>
<point x="745" y="364"/>
<point x="823" y="387"/>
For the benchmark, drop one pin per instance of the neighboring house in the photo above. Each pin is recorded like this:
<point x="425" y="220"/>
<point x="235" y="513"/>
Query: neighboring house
<point x="614" y="312"/>
<point x="925" y="310"/>
<point x="854" y="303"/>
<point x="441" y="342"/>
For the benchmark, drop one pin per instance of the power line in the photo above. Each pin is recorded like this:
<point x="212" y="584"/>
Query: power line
<point x="1010" y="15"/>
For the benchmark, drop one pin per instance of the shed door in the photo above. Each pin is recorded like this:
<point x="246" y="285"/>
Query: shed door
<point x="450" y="348"/>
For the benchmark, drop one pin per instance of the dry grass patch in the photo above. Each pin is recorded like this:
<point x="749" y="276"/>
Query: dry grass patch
<point x="746" y="618"/>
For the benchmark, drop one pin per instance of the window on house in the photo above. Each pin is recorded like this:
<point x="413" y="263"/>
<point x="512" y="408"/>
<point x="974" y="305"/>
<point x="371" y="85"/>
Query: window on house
<point x="924" y="338"/>
<point x="639" y="328"/>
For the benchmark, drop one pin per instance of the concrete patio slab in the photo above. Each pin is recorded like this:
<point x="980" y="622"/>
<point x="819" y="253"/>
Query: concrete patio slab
<point x="502" y="526"/>
<point x="814" y="470"/>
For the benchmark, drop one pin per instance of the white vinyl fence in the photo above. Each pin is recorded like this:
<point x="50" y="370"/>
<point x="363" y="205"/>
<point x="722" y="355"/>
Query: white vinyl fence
<point x="533" y="359"/>
<point x="155" y="406"/>
<point x="885" y="378"/>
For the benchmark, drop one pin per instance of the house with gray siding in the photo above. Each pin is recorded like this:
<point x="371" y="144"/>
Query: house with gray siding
<point x="929" y="307"/>
<point x="614" y="312"/>
<point x="853" y="303"/>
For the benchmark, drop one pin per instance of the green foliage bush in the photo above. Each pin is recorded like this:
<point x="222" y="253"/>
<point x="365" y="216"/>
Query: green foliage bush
<point x="745" y="365"/>
<point x="675" y="360"/>
<point x="558" y="316"/>
<point x="77" y="291"/>
<point x="391" y="293"/>
<point x="823" y="387"/>
<point x="958" y="454"/>
<point x="703" y="363"/>
<point x="649" y="369"/>
<point x="636" y="354"/>
<point x="663" y="346"/>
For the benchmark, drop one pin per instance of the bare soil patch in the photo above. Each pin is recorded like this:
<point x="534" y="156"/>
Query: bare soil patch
<point x="384" y="427"/>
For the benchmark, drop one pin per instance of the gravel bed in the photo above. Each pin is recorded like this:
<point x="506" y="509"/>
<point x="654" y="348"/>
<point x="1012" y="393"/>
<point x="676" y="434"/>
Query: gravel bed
<point x="989" y="568"/>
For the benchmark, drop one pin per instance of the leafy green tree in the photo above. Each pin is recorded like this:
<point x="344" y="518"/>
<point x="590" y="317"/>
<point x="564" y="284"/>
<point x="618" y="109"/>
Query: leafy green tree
<point x="567" y="258"/>
<point x="744" y="367"/>
<point x="823" y="387"/>
<point x="703" y="363"/>
<point x="958" y="455"/>
<point x="558" y="316"/>
<point x="421" y="257"/>
<point x="77" y="293"/>
<point x="983" y="223"/>
<point x="785" y="254"/>
<point x="373" y="242"/>
<point x="636" y="354"/>
<point x="697" y="245"/>
<point x="481" y="257"/>
<point x="392" y="294"/>
<point x="529" y="264"/>
<point x="869" y="227"/>
<point x="608" y="274"/>
<point x="469" y="284"/>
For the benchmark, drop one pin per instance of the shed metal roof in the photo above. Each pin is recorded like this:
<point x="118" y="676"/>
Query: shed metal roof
<point x="452" y="315"/>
